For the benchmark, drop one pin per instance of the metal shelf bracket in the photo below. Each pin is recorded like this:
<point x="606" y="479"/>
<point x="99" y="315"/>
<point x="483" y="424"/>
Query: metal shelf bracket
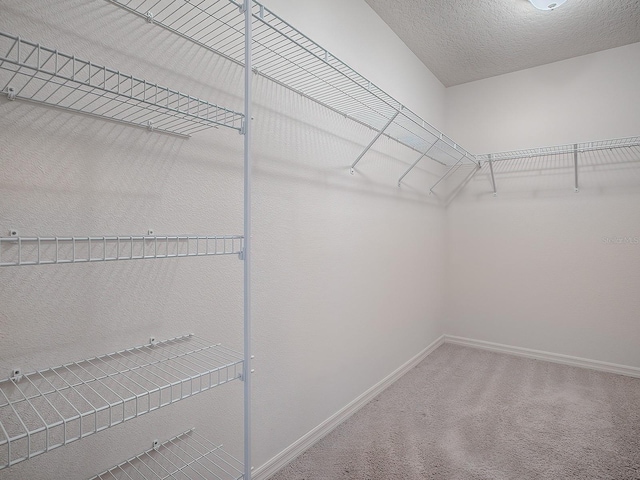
<point x="451" y="169"/>
<point x="375" y="139"/>
<point x="416" y="162"/>
<point x="576" y="188"/>
<point x="493" y="178"/>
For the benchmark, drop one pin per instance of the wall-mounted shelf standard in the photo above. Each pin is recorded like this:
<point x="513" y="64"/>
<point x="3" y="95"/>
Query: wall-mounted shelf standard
<point x="29" y="71"/>
<point x="46" y="409"/>
<point x="289" y="58"/>
<point x="573" y="150"/>
<point x="186" y="456"/>
<point x="19" y="251"/>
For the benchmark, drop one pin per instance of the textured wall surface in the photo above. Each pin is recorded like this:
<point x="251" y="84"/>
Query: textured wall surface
<point x="348" y="269"/>
<point x="540" y="266"/>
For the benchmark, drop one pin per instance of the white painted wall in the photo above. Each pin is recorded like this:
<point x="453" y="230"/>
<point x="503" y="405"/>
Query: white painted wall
<point x="355" y="34"/>
<point x="531" y="267"/>
<point x="348" y="269"/>
<point x="585" y="98"/>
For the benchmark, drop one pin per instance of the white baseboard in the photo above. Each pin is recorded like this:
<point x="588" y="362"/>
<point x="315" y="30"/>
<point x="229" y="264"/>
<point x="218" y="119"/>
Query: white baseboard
<point x="546" y="356"/>
<point x="304" y="443"/>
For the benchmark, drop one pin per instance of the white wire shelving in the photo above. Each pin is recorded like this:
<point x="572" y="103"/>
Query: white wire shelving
<point x="46" y="409"/>
<point x="20" y="251"/>
<point x="573" y="150"/>
<point x="288" y="57"/>
<point x="185" y="457"/>
<point x="35" y="73"/>
<point x="626" y="142"/>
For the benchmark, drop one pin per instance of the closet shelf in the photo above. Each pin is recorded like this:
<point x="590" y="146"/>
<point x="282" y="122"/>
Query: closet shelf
<point x="20" y="251"/>
<point x="32" y="72"/>
<point x="47" y="409"/>
<point x="572" y="151"/>
<point x="186" y="456"/>
<point x="286" y="56"/>
<point x="569" y="149"/>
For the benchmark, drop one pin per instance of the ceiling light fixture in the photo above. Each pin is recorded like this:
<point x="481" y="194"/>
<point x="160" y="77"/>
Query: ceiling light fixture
<point x="547" y="4"/>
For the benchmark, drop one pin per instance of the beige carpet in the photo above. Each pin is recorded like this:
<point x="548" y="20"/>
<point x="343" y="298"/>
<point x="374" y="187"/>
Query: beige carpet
<point x="465" y="413"/>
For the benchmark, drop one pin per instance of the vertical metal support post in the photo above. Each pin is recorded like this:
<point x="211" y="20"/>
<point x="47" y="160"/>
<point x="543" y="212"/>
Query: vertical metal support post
<point x="353" y="165"/>
<point x="248" y="8"/>
<point x="417" y="161"/>
<point x="575" y="166"/>
<point x="493" y="178"/>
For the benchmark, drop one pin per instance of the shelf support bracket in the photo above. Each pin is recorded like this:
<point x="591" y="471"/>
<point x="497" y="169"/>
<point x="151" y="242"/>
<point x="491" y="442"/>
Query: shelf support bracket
<point x="417" y="161"/>
<point x="575" y="167"/>
<point x="353" y="165"/>
<point x="493" y="178"/>
<point x="452" y="168"/>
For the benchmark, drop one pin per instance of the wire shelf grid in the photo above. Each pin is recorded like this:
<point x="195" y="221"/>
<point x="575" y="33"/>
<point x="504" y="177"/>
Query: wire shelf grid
<point x="184" y="457"/>
<point x="288" y="57"/>
<point x="627" y="142"/>
<point x="47" y="409"/>
<point x="19" y="251"/>
<point x="32" y="72"/>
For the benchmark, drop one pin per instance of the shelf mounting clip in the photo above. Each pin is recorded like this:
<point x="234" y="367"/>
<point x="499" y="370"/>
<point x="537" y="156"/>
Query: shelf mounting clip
<point x="16" y="375"/>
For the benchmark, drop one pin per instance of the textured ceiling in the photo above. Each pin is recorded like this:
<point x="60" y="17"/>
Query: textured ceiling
<point x="465" y="40"/>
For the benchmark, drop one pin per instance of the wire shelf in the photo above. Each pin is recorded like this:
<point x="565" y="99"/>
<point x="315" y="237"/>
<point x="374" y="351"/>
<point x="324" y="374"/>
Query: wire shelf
<point x="186" y="456"/>
<point x="627" y="142"/>
<point x="29" y="71"/>
<point x="50" y="408"/>
<point x="19" y="251"/>
<point x="289" y="58"/>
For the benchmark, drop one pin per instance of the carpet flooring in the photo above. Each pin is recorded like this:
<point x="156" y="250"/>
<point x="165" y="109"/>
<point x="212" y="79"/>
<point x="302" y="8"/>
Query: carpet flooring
<point x="465" y="413"/>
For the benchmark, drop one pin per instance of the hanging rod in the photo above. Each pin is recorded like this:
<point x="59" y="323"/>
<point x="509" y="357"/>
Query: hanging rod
<point x="46" y="409"/>
<point x="284" y="55"/>
<point x="20" y="251"/>
<point x="35" y="73"/>
<point x="186" y="456"/>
